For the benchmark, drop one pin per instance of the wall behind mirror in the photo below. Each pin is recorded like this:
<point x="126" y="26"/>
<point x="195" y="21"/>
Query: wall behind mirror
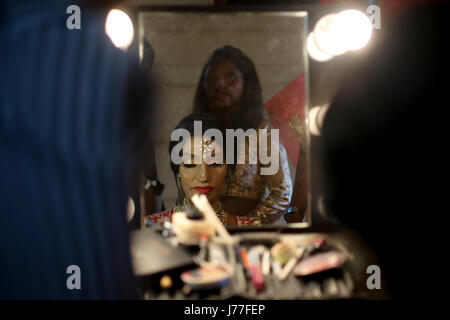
<point x="182" y="43"/>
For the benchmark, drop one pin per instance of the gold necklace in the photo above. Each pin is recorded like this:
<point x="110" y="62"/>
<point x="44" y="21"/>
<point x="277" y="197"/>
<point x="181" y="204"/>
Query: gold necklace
<point x="223" y="216"/>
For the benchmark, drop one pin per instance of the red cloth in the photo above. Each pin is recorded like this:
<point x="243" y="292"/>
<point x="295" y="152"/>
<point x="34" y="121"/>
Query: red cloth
<point x="288" y="102"/>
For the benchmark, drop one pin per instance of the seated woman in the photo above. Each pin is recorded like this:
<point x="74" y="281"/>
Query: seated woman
<point x="208" y="175"/>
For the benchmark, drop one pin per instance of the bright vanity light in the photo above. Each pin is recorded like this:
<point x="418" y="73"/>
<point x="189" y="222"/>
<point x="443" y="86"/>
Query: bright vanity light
<point x="314" y="51"/>
<point x="326" y="38"/>
<point x="335" y="34"/>
<point x="352" y="29"/>
<point x="316" y="115"/>
<point x="119" y="28"/>
<point x="131" y="209"/>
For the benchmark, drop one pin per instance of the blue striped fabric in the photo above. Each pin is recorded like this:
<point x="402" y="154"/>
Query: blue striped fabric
<point x="63" y="186"/>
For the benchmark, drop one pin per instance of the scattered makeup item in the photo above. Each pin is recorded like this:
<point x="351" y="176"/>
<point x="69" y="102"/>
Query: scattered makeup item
<point x="253" y="270"/>
<point x="245" y="260"/>
<point x="318" y="242"/>
<point x="343" y="289"/>
<point x="167" y="231"/>
<point x="290" y="264"/>
<point x="320" y="262"/>
<point x="276" y="267"/>
<point x="257" y="276"/>
<point x="202" y="204"/>
<point x="208" y="276"/>
<point x="296" y="287"/>
<point x="188" y="231"/>
<point x="287" y="269"/>
<point x="314" y="290"/>
<point x="241" y="280"/>
<point x="239" y="277"/>
<point x="166" y="282"/>
<point x="257" y="251"/>
<point x="217" y="254"/>
<point x="266" y="263"/>
<point x="201" y="256"/>
<point x="330" y="287"/>
<point x="315" y="246"/>
<point x="239" y="269"/>
<point x="283" y="252"/>
<point x="186" y="290"/>
<point x="278" y="287"/>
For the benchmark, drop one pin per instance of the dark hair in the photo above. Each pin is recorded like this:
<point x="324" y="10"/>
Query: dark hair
<point x="209" y="121"/>
<point x="250" y="113"/>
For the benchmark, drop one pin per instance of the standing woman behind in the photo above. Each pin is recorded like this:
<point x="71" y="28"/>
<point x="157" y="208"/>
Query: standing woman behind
<point x="229" y="87"/>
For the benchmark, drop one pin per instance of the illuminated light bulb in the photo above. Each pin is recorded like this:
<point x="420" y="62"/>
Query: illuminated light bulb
<point x="131" y="209"/>
<point x="326" y="39"/>
<point x="314" y="51"/>
<point x="119" y="28"/>
<point x="350" y="29"/>
<point x="335" y="34"/>
<point x="316" y="115"/>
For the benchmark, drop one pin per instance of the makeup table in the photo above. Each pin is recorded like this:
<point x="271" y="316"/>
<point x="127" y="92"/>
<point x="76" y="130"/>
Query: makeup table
<point x="259" y="265"/>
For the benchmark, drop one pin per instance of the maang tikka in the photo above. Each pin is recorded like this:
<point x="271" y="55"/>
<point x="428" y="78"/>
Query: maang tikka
<point x="205" y="144"/>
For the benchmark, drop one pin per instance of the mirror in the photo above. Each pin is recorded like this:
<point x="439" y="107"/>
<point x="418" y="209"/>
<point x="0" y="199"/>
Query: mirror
<point x="178" y="43"/>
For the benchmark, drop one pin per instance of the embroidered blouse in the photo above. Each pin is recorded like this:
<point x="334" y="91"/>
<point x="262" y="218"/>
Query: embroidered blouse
<point x="158" y="219"/>
<point x="273" y="190"/>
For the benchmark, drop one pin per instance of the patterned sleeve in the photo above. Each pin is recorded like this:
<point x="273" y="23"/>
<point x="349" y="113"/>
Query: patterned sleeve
<point x="246" y="221"/>
<point x="158" y="219"/>
<point x="279" y="191"/>
<point x="269" y="184"/>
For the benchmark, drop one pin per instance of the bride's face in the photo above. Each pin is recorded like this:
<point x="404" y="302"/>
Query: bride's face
<point x="206" y="175"/>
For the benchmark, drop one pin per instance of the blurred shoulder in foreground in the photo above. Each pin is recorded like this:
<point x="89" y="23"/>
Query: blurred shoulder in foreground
<point x="383" y="144"/>
<point x="73" y="109"/>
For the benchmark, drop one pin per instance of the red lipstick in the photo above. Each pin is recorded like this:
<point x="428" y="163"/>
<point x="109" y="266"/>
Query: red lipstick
<point x="204" y="190"/>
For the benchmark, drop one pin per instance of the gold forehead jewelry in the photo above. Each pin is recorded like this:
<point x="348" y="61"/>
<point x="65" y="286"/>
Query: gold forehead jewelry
<point x="205" y="144"/>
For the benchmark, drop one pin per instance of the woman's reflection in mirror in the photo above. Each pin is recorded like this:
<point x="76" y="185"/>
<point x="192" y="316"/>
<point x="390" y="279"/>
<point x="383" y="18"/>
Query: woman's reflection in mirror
<point x="229" y="87"/>
<point x="203" y="176"/>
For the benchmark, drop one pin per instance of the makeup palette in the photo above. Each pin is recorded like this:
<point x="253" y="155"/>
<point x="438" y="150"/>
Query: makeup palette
<point x="208" y="276"/>
<point x="320" y="262"/>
